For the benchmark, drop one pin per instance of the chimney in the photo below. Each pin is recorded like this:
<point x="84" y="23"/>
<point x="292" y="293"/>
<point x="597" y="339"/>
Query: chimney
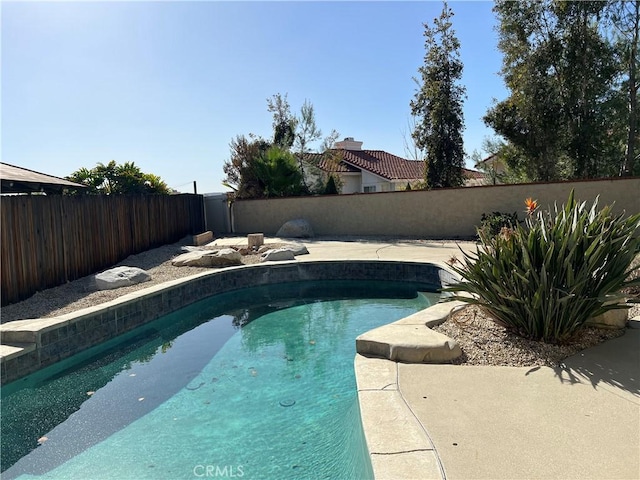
<point x="349" y="144"/>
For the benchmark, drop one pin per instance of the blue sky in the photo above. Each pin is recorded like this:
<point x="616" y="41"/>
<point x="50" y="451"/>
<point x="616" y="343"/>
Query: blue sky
<point x="167" y="85"/>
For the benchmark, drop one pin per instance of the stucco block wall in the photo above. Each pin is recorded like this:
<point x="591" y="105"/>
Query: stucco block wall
<point x="446" y="213"/>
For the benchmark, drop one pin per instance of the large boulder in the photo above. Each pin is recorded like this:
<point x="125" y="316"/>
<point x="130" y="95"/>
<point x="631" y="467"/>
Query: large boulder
<point x="225" y="257"/>
<point x="277" y="255"/>
<point x="611" y="319"/>
<point x="120" y="277"/>
<point x="298" y="228"/>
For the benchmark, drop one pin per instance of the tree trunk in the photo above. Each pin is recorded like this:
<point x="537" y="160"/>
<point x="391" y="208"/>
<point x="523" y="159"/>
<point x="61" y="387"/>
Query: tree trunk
<point x="627" y="168"/>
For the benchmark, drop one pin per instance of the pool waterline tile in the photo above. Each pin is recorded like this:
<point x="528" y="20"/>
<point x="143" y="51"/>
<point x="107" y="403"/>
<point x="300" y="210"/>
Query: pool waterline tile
<point x="99" y="323"/>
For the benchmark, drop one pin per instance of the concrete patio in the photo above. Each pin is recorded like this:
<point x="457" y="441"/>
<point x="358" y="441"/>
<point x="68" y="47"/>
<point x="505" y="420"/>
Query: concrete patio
<point x="469" y="422"/>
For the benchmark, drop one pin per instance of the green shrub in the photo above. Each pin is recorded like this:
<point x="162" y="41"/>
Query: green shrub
<point x="492" y="224"/>
<point x="545" y="279"/>
<point x="331" y="188"/>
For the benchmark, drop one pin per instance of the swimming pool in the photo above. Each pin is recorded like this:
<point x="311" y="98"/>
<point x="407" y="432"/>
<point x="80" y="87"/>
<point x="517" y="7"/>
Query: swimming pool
<point x="265" y="391"/>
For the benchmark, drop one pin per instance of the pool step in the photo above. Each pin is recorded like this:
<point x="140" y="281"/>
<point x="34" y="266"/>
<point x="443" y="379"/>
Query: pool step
<point x="410" y="340"/>
<point x="12" y="350"/>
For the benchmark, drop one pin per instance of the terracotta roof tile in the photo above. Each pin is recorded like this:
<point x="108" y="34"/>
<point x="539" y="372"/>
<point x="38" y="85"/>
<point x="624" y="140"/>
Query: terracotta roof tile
<point x="324" y="163"/>
<point x="379" y="162"/>
<point x="385" y="164"/>
<point x="472" y="173"/>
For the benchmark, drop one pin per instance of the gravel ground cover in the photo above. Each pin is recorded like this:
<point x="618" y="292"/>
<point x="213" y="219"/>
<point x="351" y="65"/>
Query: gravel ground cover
<point x="81" y="293"/>
<point x="483" y="342"/>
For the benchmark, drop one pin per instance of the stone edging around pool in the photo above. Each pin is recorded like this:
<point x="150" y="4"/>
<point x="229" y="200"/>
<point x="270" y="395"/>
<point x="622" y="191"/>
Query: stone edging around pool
<point x="410" y="340"/>
<point x="30" y="345"/>
<point x="398" y="444"/>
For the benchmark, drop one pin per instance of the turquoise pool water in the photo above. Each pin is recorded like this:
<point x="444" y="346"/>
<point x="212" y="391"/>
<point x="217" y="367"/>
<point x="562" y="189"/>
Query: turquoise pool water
<point x="266" y="390"/>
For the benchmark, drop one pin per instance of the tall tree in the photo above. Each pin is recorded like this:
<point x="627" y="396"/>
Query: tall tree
<point x="560" y="71"/>
<point x="259" y="168"/>
<point x="411" y="150"/>
<point x="242" y="176"/>
<point x="437" y="105"/>
<point x="306" y="132"/>
<point x="625" y="20"/>
<point x="284" y="123"/>
<point x="587" y="72"/>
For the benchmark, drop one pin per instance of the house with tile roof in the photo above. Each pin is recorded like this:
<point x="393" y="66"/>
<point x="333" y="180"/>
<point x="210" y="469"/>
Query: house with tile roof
<point x="369" y="171"/>
<point x="494" y="168"/>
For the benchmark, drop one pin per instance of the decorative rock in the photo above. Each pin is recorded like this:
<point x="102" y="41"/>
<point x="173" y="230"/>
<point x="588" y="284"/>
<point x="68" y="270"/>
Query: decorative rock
<point x="192" y="259"/>
<point x="612" y="319"/>
<point x="190" y="248"/>
<point x="120" y="277"/>
<point x="224" y="257"/>
<point x="277" y="255"/>
<point x="255" y="239"/>
<point x="298" y="228"/>
<point x="203" y="238"/>
<point x="296" y="248"/>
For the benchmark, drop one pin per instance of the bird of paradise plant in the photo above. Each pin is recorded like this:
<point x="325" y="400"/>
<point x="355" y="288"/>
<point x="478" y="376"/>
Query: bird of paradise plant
<point x="550" y="276"/>
<point x="531" y="205"/>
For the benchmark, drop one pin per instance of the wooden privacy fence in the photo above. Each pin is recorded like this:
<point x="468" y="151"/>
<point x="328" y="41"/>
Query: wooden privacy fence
<point x="49" y="240"/>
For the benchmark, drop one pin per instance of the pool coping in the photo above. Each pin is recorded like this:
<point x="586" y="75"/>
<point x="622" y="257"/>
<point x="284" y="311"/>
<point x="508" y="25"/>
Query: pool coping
<point x="32" y="344"/>
<point x="398" y="443"/>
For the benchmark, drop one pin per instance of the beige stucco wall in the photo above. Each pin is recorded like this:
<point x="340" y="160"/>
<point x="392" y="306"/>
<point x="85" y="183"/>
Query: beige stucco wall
<point x="447" y="213"/>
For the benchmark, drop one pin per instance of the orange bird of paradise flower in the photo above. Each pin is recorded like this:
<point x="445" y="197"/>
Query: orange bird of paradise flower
<point x="531" y="205"/>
